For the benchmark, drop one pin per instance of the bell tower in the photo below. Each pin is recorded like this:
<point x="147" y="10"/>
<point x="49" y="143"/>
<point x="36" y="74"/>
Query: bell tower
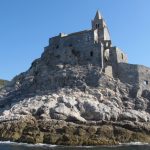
<point x="99" y="25"/>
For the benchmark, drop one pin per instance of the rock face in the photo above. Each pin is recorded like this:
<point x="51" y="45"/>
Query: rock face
<point x="72" y="104"/>
<point x="72" y="94"/>
<point x="54" y="97"/>
<point x="66" y="133"/>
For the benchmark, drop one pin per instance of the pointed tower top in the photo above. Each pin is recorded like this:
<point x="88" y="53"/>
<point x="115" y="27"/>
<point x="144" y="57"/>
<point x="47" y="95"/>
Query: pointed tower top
<point x="98" y="15"/>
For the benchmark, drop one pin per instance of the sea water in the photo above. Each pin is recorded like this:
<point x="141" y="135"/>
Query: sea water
<point x="21" y="146"/>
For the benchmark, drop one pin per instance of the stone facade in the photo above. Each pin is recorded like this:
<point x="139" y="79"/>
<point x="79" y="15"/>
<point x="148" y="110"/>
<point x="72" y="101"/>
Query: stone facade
<point x="94" y="47"/>
<point x="136" y="75"/>
<point x="77" y="48"/>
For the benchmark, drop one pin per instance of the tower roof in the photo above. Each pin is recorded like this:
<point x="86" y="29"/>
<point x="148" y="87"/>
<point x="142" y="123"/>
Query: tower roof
<point x="98" y="15"/>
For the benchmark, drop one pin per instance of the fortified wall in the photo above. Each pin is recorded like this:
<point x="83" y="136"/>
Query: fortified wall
<point x="137" y="75"/>
<point x="75" y="49"/>
<point x="94" y="47"/>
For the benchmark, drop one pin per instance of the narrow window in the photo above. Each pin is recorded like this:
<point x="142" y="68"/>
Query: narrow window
<point x="122" y="56"/>
<point x="96" y="26"/>
<point x="145" y="82"/>
<point x="91" y="53"/>
<point x="57" y="46"/>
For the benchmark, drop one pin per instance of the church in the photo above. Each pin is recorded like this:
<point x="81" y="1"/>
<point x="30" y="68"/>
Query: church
<point x="94" y="47"/>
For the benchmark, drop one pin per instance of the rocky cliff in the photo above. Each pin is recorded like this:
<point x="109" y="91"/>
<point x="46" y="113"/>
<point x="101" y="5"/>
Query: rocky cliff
<point x="73" y="105"/>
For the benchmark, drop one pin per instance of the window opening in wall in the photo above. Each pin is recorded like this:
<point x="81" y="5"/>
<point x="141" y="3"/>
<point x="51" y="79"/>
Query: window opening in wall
<point x="91" y="53"/>
<point x="57" y="46"/>
<point x="145" y="82"/>
<point x="76" y="53"/>
<point x="122" y="56"/>
<point x="95" y="42"/>
<point x="97" y="26"/>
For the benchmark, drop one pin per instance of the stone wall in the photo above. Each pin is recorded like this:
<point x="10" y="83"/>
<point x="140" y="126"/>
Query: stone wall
<point x="128" y="73"/>
<point x="115" y="57"/>
<point x="144" y="77"/>
<point x="136" y="75"/>
<point x="77" y="48"/>
<point x="118" y="55"/>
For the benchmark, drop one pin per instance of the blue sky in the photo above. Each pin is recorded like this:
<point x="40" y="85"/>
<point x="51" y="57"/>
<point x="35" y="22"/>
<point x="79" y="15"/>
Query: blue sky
<point x="26" y="26"/>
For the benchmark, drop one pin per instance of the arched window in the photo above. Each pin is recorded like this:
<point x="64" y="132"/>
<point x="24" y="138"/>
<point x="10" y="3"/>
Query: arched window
<point x="97" y="26"/>
<point x="91" y="53"/>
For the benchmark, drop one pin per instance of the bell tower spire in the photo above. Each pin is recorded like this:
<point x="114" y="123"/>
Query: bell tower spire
<point x="97" y="23"/>
<point x="98" y="15"/>
<point x="99" y="26"/>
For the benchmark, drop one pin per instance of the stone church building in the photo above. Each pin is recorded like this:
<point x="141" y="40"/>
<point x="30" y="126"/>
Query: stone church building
<point x="94" y="47"/>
